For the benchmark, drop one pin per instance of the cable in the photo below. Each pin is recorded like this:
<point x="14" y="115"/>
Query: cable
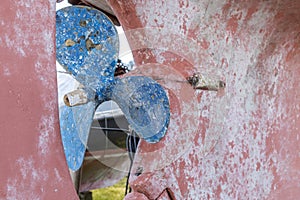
<point x="128" y="175"/>
<point x="131" y="145"/>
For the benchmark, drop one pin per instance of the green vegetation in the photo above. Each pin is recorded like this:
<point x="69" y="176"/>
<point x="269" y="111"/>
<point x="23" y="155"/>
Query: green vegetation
<point x="115" y="192"/>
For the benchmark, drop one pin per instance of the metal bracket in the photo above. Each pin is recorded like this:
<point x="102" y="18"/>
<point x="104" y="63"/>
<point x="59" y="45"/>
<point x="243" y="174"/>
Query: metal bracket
<point x="202" y="82"/>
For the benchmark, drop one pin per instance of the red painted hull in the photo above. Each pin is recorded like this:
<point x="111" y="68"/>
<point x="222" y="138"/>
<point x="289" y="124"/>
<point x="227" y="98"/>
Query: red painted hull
<point x="32" y="159"/>
<point x="240" y="143"/>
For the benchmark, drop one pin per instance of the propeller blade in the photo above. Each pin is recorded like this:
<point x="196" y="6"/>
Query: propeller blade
<point x="75" y="123"/>
<point x="87" y="45"/>
<point x="145" y="105"/>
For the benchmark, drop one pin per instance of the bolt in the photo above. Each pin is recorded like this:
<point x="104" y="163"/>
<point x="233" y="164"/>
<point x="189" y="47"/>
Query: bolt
<point x="139" y="171"/>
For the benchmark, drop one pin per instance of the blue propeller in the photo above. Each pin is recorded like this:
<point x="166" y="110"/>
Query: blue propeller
<point x="87" y="46"/>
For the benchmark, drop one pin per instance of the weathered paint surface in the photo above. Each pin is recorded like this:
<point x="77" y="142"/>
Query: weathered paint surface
<point x="239" y="143"/>
<point x="246" y="144"/>
<point x="32" y="163"/>
<point x="145" y="105"/>
<point x="87" y="47"/>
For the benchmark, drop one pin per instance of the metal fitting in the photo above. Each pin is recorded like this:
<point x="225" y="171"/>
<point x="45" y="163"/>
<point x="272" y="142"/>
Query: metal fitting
<point x="202" y="82"/>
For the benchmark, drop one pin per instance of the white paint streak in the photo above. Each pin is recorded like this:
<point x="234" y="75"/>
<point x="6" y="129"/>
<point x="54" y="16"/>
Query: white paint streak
<point x="6" y="71"/>
<point x="57" y="175"/>
<point x="46" y="130"/>
<point x="170" y="20"/>
<point x="26" y="182"/>
<point x="26" y="32"/>
<point x="32" y="37"/>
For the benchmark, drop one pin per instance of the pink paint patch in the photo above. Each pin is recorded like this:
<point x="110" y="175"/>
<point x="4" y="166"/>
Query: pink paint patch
<point x="232" y="24"/>
<point x="204" y="44"/>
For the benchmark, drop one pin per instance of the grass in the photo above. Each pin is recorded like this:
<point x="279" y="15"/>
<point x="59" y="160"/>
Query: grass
<point x="115" y="192"/>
